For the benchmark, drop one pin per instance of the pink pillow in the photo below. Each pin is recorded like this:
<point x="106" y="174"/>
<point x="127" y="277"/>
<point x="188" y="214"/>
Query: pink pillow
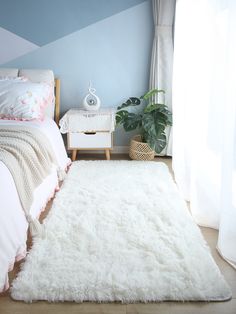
<point x="21" y="99"/>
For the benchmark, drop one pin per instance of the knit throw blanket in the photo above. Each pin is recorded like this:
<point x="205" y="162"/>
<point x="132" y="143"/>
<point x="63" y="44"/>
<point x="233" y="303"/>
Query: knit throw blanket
<point x="28" y="155"/>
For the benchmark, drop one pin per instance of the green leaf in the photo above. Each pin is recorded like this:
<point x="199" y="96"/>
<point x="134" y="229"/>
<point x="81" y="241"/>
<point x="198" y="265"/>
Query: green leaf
<point x="157" y="144"/>
<point x="132" y="101"/>
<point x="164" y="115"/>
<point x="121" y="116"/>
<point x="151" y="93"/>
<point x="148" y="124"/>
<point x="154" y="125"/>
<point x="151" y="141"/>
<point x="169" y="119"/>
<point x="159" y="128"/>
<point x="160" y="143"/>
<point x="132" y="121"/>
<point x="135" y="101"/>
<point x="151" y="107"/>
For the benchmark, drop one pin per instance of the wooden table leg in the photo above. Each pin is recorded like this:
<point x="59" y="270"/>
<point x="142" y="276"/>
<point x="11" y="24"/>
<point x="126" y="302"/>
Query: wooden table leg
<point x="74" y="153"/>
<point x="107" y="152"/>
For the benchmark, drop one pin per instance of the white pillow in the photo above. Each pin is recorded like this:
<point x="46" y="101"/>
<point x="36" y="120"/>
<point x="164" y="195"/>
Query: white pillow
<point x="21" y="99"/>
<point x="13" y="78"/>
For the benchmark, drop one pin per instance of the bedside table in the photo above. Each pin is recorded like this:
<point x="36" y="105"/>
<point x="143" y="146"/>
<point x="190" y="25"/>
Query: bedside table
<point x="89" y="130"/>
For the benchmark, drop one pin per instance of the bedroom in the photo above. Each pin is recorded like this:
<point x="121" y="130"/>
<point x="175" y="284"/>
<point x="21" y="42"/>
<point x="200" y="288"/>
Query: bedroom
<point x="109" y="209"/>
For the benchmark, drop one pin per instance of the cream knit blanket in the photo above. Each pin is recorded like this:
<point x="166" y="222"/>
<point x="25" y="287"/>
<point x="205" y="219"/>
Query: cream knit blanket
<point x="28" y="155"/>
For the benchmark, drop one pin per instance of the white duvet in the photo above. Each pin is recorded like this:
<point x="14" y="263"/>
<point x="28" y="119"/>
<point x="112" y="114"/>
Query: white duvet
<point x="13" y="225"/>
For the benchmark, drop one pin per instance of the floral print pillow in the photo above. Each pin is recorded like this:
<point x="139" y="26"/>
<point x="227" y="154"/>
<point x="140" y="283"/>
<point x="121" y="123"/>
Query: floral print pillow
<point x="21" y="99"/>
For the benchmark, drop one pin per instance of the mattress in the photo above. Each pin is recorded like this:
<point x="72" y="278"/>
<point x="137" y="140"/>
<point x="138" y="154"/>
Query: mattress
<point x="13" y="224"/>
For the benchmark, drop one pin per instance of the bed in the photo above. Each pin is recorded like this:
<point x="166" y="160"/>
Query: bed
<point x="13" y="223"/>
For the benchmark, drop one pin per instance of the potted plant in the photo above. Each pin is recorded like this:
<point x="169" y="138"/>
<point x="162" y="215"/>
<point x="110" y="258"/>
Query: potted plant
<point x="151" y="120"/>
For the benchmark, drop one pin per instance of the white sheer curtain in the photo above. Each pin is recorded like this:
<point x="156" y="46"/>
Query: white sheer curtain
<point x="204" y="114"/>
<point x="162" y="56"/>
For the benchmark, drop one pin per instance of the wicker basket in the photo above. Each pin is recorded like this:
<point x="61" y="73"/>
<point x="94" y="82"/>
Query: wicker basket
<point x="139" y="150"/>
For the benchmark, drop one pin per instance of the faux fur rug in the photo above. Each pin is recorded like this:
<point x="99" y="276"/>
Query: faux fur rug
<point x="119" y="231"/>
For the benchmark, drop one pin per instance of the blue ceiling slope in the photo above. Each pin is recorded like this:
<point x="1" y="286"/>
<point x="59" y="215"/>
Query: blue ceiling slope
<point x="44" y="21"/>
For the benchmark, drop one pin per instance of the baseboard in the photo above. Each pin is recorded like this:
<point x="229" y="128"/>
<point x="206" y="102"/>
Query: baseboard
<point x="115" y="150"/>
<point x="120" y="149"/>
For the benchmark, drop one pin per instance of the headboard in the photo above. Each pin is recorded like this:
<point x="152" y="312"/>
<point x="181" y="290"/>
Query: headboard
<point x="36" y="75"/>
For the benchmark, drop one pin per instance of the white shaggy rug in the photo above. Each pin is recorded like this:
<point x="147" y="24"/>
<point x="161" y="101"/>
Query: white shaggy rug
<point x="119" y="231"/>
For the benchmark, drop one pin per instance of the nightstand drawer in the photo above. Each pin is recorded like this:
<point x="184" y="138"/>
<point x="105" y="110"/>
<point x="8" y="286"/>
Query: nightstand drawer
<point x="92" y="121"/>
<point x="90" y="140"/>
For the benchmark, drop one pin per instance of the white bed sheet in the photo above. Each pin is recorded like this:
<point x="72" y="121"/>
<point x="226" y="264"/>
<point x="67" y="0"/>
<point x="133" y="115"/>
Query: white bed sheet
<point x="13" y="225"/>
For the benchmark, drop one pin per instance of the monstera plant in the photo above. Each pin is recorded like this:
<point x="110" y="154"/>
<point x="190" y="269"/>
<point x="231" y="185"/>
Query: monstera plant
<point x="151" y="119"/>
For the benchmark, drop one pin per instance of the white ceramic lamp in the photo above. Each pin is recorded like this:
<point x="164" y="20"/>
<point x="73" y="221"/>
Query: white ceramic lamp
<point x="91" y="101"/>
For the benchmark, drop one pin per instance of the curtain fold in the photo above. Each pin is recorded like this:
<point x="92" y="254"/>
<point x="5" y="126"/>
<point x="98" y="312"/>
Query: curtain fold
<point x="204" y="115"/>
<point x="162" y="56"/>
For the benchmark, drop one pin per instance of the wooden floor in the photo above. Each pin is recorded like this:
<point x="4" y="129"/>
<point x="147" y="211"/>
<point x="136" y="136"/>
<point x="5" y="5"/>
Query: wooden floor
<point x="8" y="306"/>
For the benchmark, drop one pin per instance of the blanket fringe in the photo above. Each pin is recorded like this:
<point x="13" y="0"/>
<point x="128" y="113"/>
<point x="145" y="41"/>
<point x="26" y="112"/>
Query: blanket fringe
<point x="61" y="174"/>
<point x="36" y="228"/>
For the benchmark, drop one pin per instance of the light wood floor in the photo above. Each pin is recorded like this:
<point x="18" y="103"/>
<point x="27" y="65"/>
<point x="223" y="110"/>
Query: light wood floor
<point x="8" y="306"/>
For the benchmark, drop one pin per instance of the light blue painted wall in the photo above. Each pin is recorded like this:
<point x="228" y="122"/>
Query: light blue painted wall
<point x="43" y="21"/>
<point x="114" y="53"/>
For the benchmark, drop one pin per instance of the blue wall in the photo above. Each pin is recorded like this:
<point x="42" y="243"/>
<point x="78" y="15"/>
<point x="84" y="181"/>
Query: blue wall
<point x="113" y="52"/>
<point x="44" y="21"/>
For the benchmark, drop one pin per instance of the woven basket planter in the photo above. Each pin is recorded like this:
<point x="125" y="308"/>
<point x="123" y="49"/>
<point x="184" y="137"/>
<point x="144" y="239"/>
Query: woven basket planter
<point x="139" y="150"/>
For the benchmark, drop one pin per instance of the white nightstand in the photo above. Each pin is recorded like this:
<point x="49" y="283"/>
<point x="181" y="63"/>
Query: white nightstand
<point x="89" y="130"/>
